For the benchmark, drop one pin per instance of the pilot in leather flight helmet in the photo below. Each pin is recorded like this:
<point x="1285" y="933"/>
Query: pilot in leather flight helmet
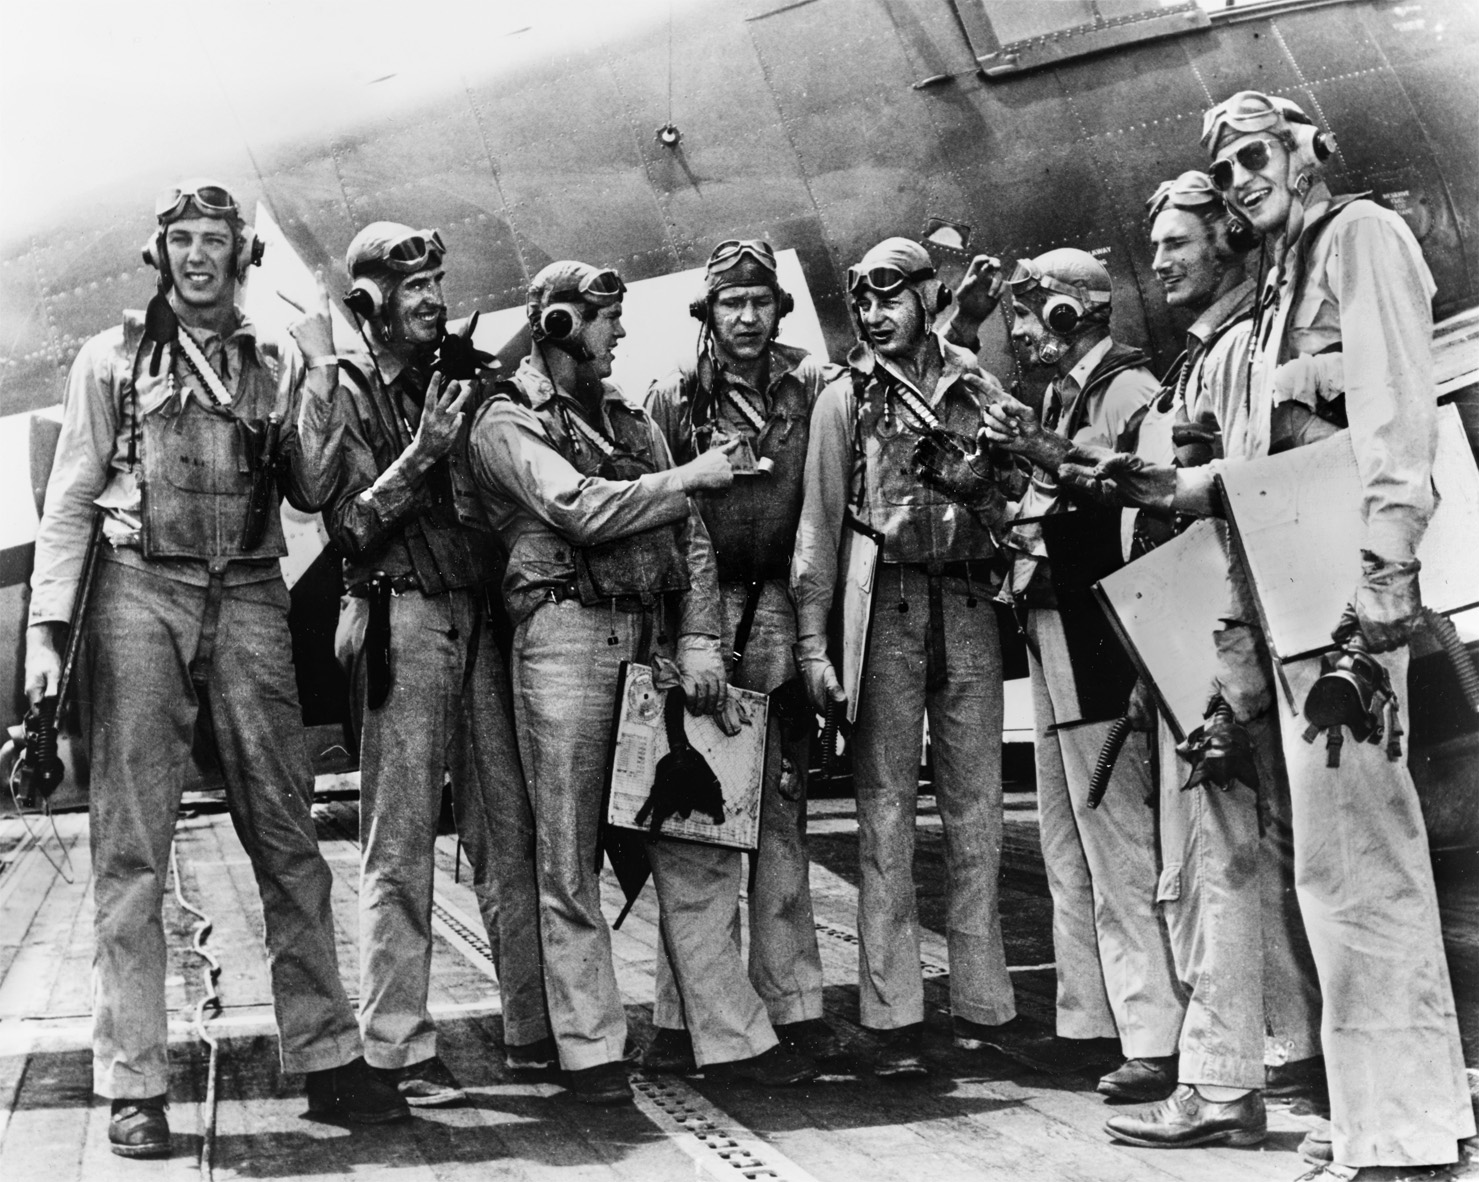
<point x="566" y="292"/>
<point x="1058" y="296"/>
<point x="1266" y="156"/>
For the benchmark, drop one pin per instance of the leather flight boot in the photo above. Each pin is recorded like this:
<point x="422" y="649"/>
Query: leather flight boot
<point x="1186" y="1119"/>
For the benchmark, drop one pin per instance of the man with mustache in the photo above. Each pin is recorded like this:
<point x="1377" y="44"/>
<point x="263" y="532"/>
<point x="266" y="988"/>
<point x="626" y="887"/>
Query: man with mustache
<point x="178" y="430"/>
<point x="429" y="681"/>
<point x="934" y="648"/>
<point x="744" y="384"/>
<point x="609" y="561"/>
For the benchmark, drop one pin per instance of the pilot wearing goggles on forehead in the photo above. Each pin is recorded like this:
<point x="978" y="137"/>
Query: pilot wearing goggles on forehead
<point x="909" y="399"/>
<point x="428" y="683"/>
<point x="185" y="633"/>
<point x="1239" y="947"/>
<point x="1343" y="336"/>
<point x="609" y="562"/>
<point x="744" y="386"/>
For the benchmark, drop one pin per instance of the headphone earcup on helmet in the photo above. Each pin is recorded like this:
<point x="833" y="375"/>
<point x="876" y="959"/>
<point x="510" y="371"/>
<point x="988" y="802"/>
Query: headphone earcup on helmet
<point x="942" y="300"/>
<point x="1322" y="146"/>
<point x="1241" y="237"/>
<point x="785" y="303"/>
<point x="699" y="308"/>
<point x="249" y="252"/>
<point x="156" y="256"/>
<point x="365" y="299"/>
<point x="558" y="322"/>
<point x="1062" y="314"/>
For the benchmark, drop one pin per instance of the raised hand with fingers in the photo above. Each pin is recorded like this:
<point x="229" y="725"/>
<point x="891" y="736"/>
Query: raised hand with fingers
<point x="313" y="330"/>
<point x="975" y="299"/>
<point x="441" y="418"/>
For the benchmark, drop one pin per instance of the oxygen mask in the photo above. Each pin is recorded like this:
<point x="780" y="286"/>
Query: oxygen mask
<point x="1354" y="691"/>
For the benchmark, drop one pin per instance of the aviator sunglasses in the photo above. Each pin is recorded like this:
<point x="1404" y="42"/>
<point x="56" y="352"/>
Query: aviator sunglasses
<point x="1253" y="156"/>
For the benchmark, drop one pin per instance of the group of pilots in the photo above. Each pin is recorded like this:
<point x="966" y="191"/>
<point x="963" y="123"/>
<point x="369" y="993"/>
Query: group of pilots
<point x="509" y="542"/>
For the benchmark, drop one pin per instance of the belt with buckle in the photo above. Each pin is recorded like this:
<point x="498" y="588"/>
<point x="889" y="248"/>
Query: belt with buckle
<point x="399" y="584"/>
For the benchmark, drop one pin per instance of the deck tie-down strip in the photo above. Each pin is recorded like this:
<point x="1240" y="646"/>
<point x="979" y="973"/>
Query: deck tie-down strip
<point x="720" y="1146"/>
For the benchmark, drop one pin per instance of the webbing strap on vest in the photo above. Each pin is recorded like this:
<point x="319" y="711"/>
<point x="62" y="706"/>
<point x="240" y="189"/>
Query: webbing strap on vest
<point x="747" y="619"/>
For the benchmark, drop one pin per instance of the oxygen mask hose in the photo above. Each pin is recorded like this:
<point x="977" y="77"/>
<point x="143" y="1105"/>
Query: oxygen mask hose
<point x="1119" y="732"/>
<point x="1458" y="654"/>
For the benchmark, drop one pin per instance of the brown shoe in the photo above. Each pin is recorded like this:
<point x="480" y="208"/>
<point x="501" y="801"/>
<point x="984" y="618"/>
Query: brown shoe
<point x="1316" y="1147"/>
<point x="1140" y="1079"/>
<point x="428" y="1084"/>
<point x="139" y="1128"/>
<point x="1186" y="1119"/>
<point x="605" y="1083"/>
<point x="901" y="1052"/>
<point x="354" y="1093"/>
<point x="670" y="1051"/>
<point x="814" y="1039"/>
<point x="779" y="1067"/>
<point x="540" y="1055"/>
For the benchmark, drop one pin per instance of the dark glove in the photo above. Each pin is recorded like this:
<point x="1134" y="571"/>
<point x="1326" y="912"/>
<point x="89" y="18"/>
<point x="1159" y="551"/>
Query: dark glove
<point x="942" y="462"/>
<point x="1388" y="601"/>
<point x="1140" y="712"/>
<point x="1220" y="751"/>
<point x="457" y="357"/>
<point x="797" y="719"/>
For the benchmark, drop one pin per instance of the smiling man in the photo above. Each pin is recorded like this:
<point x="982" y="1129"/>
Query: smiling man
<point x="933" y="648"/>
<point x="609" y="561"/>
<point x="430" y="683"/>
<point x="745" y="385"/>
<point x="1343" y="336"/>
<point x="1115" y="975"/>
<point x="1226" y="888"/>
<point x="185" y="639"/>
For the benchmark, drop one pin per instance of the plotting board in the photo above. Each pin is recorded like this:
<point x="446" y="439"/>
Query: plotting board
<point x="1296" y="518"/>
<point x="738" y="761"/>
<point x="1165" y="607"/>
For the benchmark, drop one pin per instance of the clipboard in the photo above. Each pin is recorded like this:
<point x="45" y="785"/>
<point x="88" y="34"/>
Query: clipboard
<point x="1296" y="521"/>
<point x="852" y="606"/>
<point x="641" y="740"/>
<point x="1165" y="607"/>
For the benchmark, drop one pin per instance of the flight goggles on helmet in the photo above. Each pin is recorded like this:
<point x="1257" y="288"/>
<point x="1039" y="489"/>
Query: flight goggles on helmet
<point x="885" y="280"/>
<point x="1247" y="112"/>
<point x="211" y="199"/>
<point x="1192" y="190"/>
<point x="594" y="287"/>
<point x="732" y="252"/>
<point x="414" y="252"/>
<point x="1026" y="275"/>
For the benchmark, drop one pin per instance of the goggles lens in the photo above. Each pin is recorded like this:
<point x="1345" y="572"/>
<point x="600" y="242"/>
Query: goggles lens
<point x="1243" y="113"/>
<point x="414" y="251"/>
<point x="603" y="285"/>
<point x="1189" y="191"/>
<point x="729" y="253"/>
<point x="886" y="281"/>
<point x="211" y="200"/>
<point x="1253" y="156"/>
